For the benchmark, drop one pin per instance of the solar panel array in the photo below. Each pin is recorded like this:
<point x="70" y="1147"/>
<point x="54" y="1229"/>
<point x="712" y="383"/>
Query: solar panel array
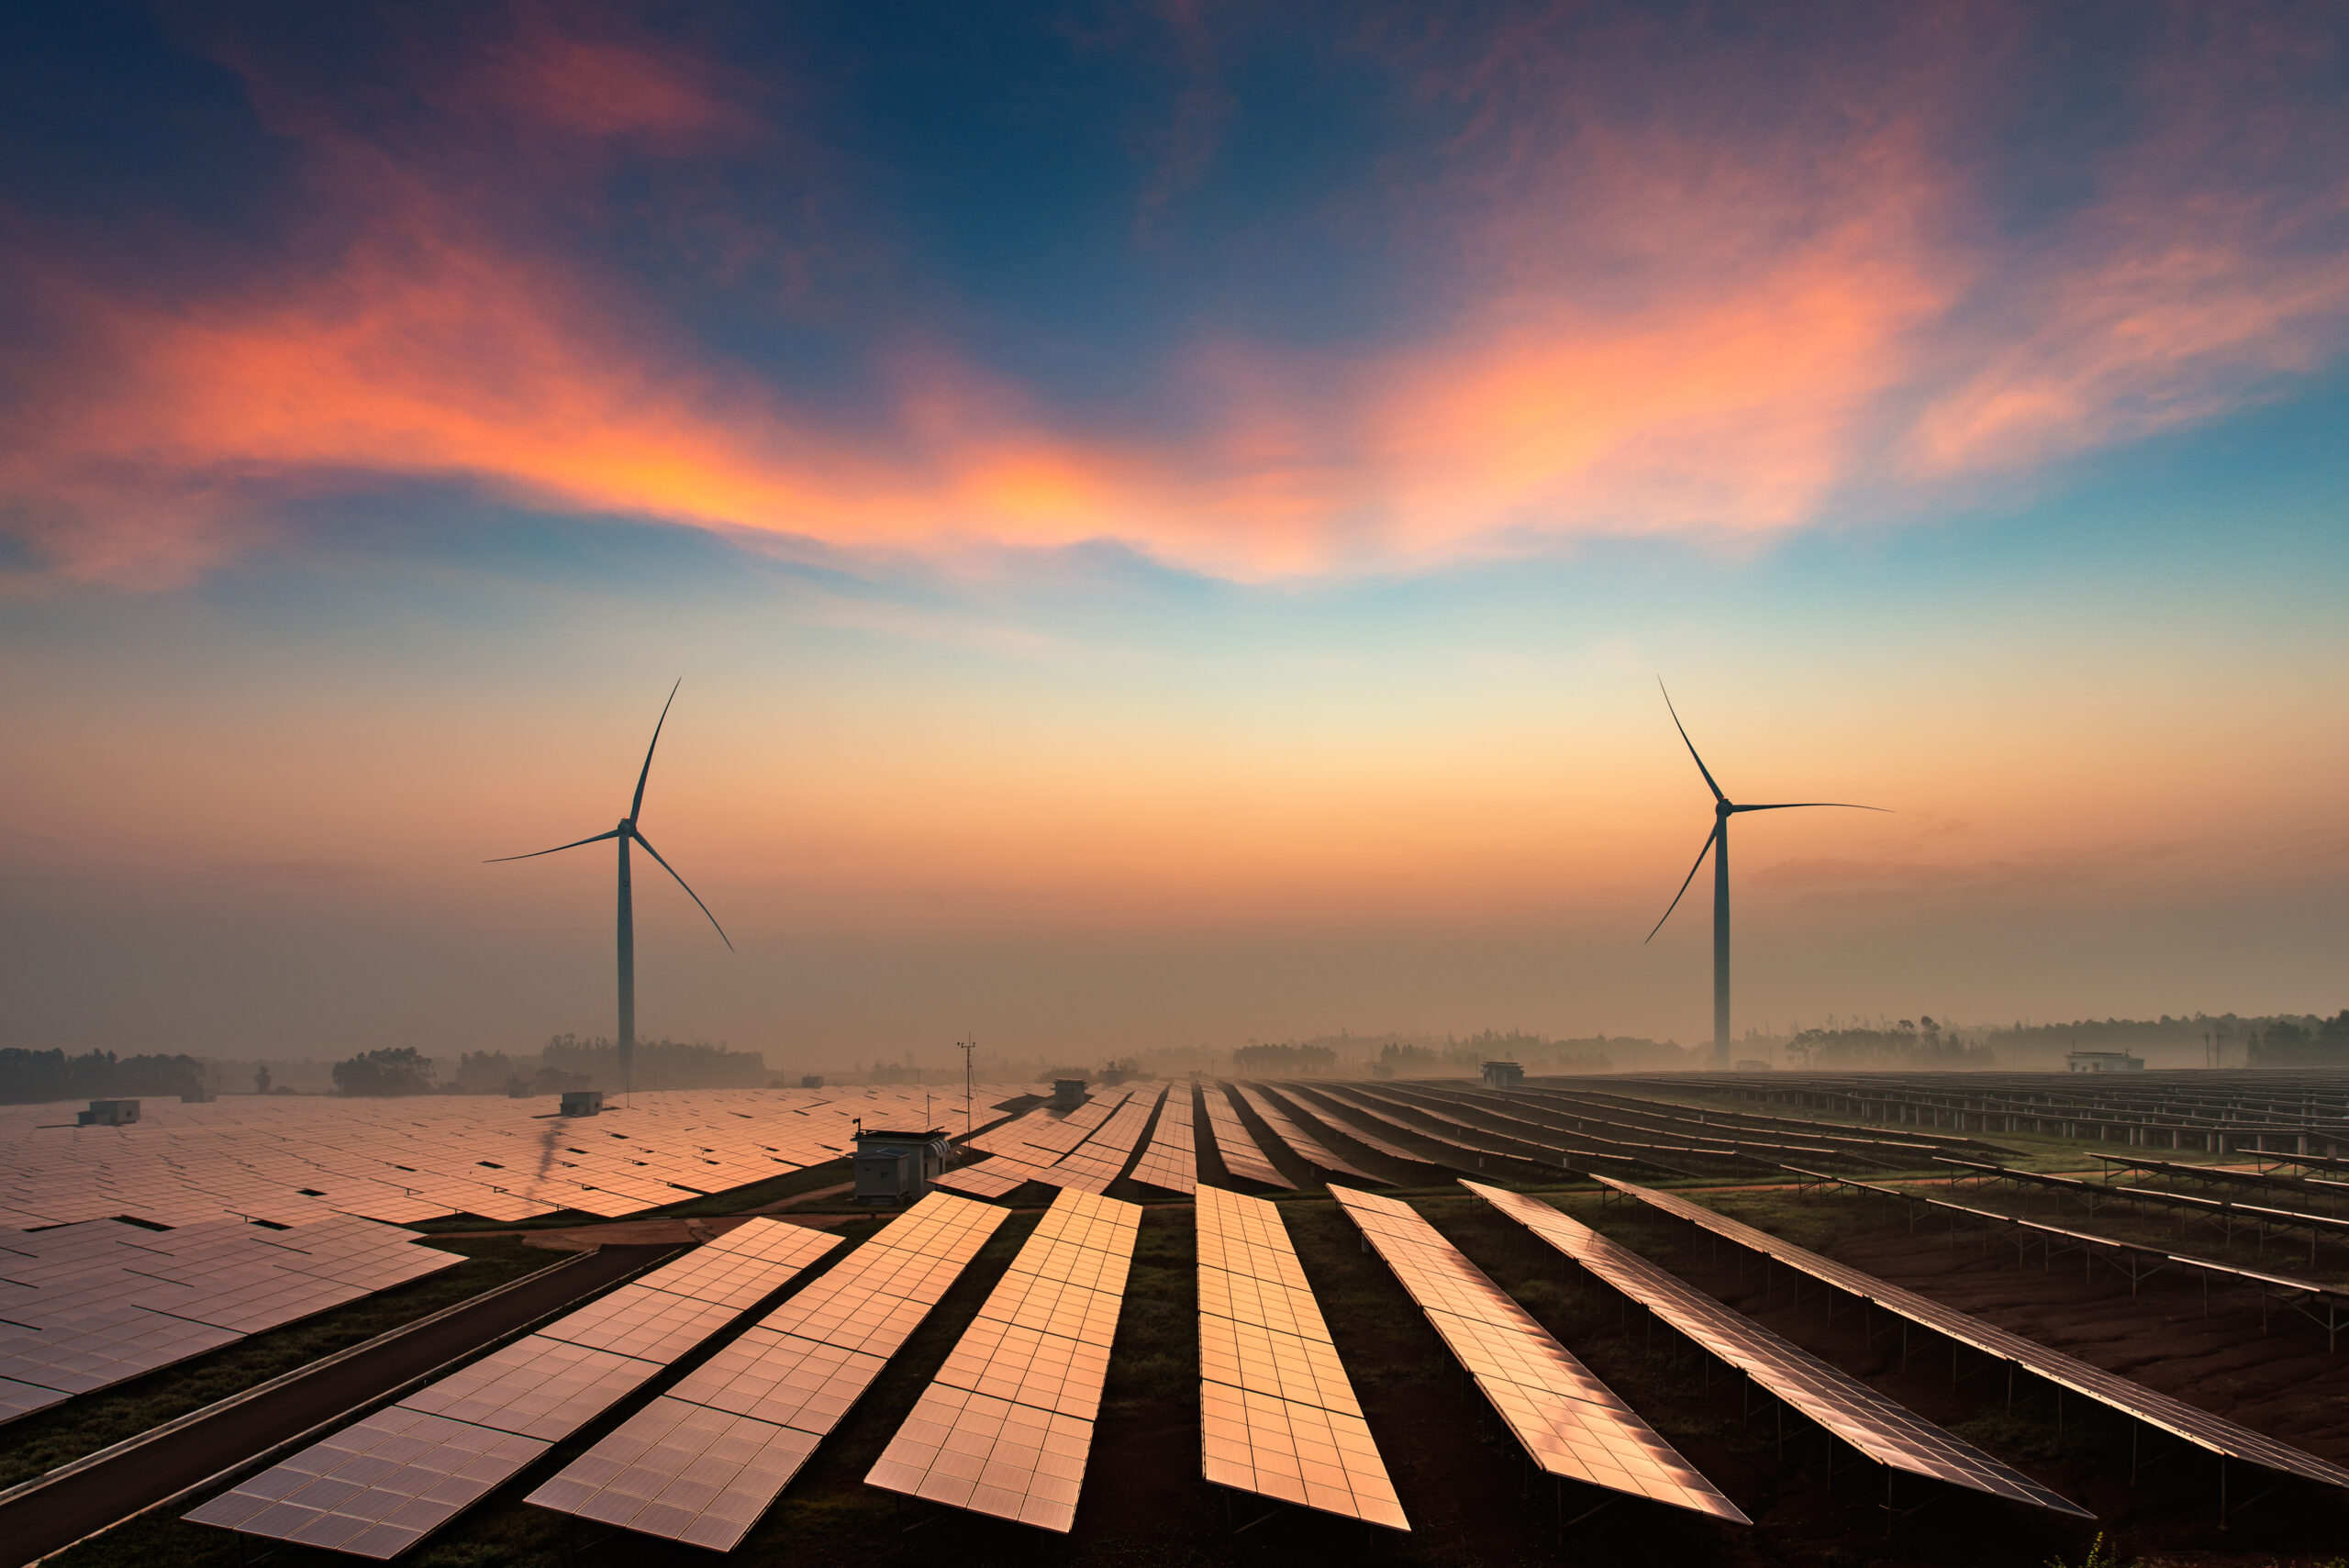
<point x="1354" y="1122"/>
<point x="1277" y="1415"/>
<point x="299" y="1159"/>
<point x="2200" y="1427"/>
<point x="703" y="1463"/>
<point x="1172" y="1161"/>
<point x="1883" y="1430"/>
<point x="1570" y="1423"/>
<point x="1301" y="1143"/>
<point x="1005" y="1426"/>
<point x="88" y="1304"/>
<point x="1357" y="1113"/>
<point x="1092" y="1165"/>
<point x="377" y="1488"/>
<point x="1028" y="1146"/>
<point x="1241" y="1156"/>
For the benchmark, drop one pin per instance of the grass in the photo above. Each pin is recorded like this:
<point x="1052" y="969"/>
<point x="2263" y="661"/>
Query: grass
<point x="89" y="1422"/>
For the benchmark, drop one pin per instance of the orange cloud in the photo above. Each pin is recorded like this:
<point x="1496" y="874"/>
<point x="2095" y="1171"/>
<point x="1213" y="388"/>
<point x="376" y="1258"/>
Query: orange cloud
<point x="1687" y="325"/>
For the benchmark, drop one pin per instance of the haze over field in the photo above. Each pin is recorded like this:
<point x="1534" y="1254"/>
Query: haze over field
<point x="1170" y="519"/>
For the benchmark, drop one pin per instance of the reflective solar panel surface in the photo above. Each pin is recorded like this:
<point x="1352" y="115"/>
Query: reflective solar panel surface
<point x="2157" y="1409"/>
<point x="1103" y="1158"/>
<point x="87" y="1305"/>
<point x="1172" y="1161"/>
<point x="1362" y="1126"/>
<point x="705" y="1461"/>
<point x="1242" y="1155"/>
<point x="377" y="1488"/>
<point x="273" y="1207"/>
<point x="1005" y="1426"/>
<point x="1569" y="1422"/>
<point x="1277" y="1415"/>
<point x="1885" y="1431"/>
<point x="300" y="1159"/>
<point x="1301" y="1143"/>
<point x="1085" y="1148"/>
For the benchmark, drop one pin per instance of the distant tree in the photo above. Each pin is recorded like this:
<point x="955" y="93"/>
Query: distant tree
<point x="484" y="1072"/>
<point x="553" y="1080"/>
<point x="398" y="1071"/>
<point x="1906" y="1044"/>
<point x="31" y="1076"/>
<point x="1284" y="1059"/>
<point x="261" y="1079"/>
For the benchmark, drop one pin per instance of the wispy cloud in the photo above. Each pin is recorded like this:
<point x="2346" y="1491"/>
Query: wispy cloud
<point x="1684" y="283"/>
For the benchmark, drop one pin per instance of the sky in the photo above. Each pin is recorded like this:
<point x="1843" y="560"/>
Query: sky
<point x="1171" y="520"/>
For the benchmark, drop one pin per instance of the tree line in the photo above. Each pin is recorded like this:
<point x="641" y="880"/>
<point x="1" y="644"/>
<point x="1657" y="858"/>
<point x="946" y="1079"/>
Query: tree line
<point x="565" y="1061"/>
<point x="29" y="1077"/>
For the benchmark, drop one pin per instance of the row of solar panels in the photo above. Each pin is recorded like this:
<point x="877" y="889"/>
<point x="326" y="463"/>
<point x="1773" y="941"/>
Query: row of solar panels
<point x="303" y="1158"/>
<point x="85" y="1306"/>
<point x="2057" y="1238"/>
<point x="1354" y="1110"/>
<point x="2170" y="1113"/>
<point x="1005" y="1426"/>
<point x="90" y="1303"/>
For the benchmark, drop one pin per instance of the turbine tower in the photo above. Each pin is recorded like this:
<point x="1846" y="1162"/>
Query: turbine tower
<point x="1717" y="845"/>
<point x="624" y="834"/>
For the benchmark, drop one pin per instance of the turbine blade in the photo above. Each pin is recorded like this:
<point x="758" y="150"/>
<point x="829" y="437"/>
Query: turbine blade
<point x="689" y="891"/>
<point x="636" y="805"/>
<point x="1798" y="805"/>
<point x="534" y="854"/>
<point x="1685" y="882"/>
<point x="1690" y="744"/>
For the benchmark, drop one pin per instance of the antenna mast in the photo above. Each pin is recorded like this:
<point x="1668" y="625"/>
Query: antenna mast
<point x="966" y="1047"/>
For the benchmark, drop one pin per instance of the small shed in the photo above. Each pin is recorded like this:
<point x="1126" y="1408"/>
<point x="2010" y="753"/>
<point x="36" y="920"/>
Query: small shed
<point x="898" y="1167"/>
<point x="811" y="1080"/>
<point x="108" y="1113"/>
<point x="582" y="1102"/>
<point x="1068" y="1094"/>
<point x="2104" y="1062"/>
<point x="1503" y="1075"/>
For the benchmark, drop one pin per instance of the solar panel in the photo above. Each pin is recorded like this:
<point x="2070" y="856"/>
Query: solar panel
<point x="1570" y="1423"/>
<point x="993" y="1179"/>
<point x="87" y="1300"/>
<point x="1877" y="1427"/>
<point x="1172" y="1159"/>
<point x="1277" y="1415"/>
<point x="1241" y="1157"/>
<point x="89" y="1304"/>
<point x="1005" y="1426"/>
<point x="377" y="1488"/>
<point x="2199" y="1427"/>
<point x="1103" y="1157"/>
<point x="1302" y="1144"/>
<point x="1085" y="1148"/>
<point x="704" y="1461"/>
<point x="1352" y="1119"/>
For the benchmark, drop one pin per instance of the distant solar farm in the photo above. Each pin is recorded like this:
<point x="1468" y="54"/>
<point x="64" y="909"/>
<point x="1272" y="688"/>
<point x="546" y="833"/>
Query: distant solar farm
<point x="937" y="1322"/>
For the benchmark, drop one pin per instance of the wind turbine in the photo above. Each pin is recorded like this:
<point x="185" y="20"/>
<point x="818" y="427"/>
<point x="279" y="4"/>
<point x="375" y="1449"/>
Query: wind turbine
<point x="624" y="833"/>
<point x="1717" y="845"/>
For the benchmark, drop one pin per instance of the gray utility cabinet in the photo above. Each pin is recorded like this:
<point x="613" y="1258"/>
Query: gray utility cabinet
<point x="898" y="1167"/>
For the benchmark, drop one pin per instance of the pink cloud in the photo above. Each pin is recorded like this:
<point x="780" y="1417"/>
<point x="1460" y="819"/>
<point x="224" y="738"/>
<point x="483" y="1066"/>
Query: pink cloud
<point x="1670" y="303"/>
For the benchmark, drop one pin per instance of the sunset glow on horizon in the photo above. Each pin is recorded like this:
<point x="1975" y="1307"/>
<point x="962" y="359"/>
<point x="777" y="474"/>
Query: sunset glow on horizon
<point x="1170" y="519"/>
